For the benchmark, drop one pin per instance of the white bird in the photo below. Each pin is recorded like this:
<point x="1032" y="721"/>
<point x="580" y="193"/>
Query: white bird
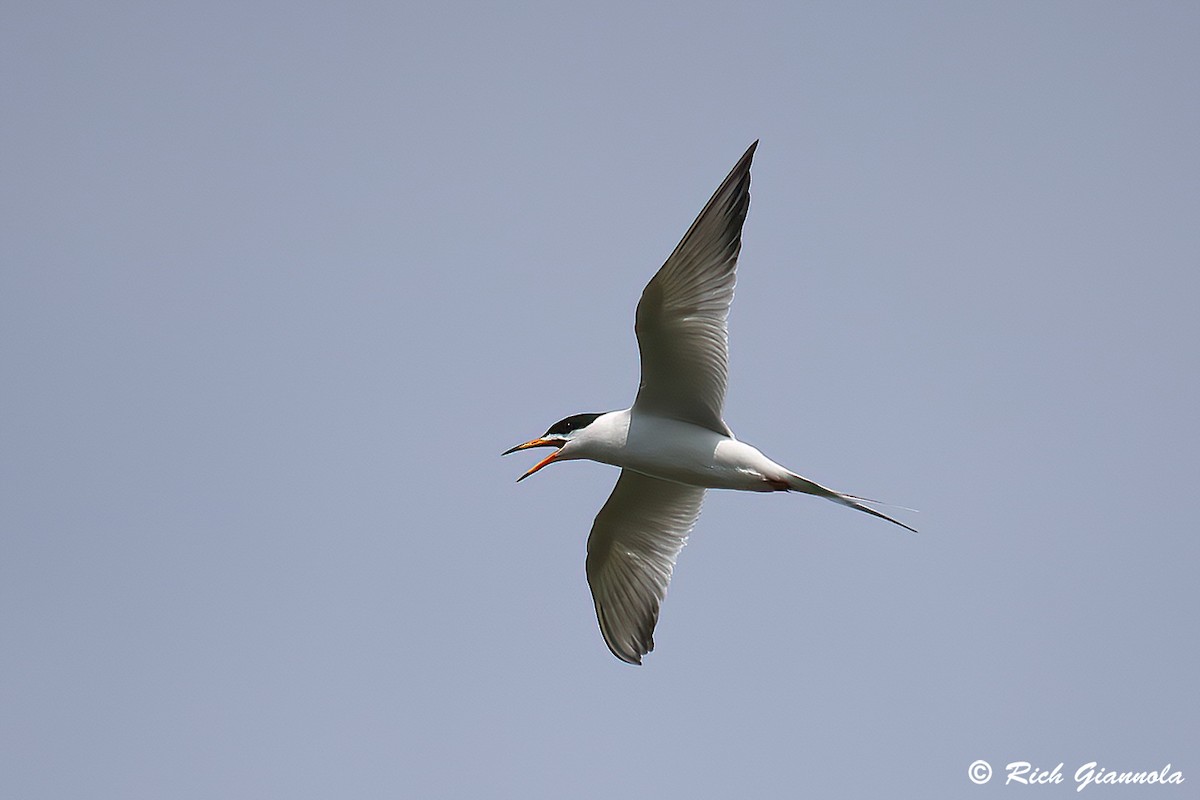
<point x="672" y="444"/>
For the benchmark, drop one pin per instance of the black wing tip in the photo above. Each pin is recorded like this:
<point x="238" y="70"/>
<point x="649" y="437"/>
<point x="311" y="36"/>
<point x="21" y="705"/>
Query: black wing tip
<point x="631" y="656"/>
<point x="630" y="652"/>
<point x="742" y="167"/>
<point x="632" y="660"/>
<point x="744" y="161"/>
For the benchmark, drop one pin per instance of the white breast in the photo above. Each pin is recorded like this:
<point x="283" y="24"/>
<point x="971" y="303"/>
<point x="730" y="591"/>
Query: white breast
<point x="678" y="451"/>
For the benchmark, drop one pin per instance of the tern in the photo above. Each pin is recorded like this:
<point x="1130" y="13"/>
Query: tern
<point x="673" y="443"/>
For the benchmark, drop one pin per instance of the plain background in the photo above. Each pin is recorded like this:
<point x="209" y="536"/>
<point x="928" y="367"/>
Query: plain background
<point x="280" y="281"/>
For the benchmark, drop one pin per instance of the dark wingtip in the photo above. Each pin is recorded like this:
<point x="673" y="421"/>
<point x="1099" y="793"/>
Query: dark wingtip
<point x="744" y="161"/>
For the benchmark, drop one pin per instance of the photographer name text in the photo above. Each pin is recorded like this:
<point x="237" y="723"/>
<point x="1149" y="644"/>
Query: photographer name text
<point x="1089" y="774"/>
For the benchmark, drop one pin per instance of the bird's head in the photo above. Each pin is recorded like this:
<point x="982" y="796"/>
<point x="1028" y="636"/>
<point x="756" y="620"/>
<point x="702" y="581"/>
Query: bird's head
<point x="559" y="436"/>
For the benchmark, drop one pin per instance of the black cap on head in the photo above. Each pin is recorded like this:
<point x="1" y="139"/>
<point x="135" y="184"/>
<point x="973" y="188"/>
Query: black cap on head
<point x="571" y="423"/>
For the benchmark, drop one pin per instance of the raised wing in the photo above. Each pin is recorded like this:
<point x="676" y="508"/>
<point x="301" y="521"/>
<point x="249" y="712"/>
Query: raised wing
<point x="681" y="318"/>
<point x="631" y="552"/>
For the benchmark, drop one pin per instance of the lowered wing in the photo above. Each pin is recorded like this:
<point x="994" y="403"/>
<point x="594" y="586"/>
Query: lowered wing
<point x="631" y="553"/>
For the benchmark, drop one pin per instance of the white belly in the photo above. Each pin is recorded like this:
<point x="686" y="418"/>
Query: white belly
<point x="684" y="453"/>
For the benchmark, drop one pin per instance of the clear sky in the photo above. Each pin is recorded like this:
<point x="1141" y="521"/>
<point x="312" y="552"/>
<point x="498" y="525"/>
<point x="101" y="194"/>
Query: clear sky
<point x="280" y="281"/>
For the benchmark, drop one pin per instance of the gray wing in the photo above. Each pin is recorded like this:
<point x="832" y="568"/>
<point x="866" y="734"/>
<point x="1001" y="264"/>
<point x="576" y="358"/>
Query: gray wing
<point x="681" y="318"/>
<point x="631" y="552"/>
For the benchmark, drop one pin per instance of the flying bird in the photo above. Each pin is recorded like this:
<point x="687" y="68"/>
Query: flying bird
<point x="673" y="443"/>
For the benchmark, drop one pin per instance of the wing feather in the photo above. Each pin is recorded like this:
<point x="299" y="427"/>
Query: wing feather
<point x="681" y="317"/>
<point x="631" y="553"/>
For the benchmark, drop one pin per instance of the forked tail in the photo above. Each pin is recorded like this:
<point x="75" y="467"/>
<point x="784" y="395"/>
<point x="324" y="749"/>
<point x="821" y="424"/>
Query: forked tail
<point x="799" y="484"/>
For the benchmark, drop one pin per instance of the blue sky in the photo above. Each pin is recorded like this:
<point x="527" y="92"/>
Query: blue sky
<point x="280" y="282"/>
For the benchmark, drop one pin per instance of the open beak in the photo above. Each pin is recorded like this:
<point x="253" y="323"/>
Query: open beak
<point x="555" y="443"/>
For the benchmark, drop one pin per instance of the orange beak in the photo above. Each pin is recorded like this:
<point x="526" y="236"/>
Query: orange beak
<point x="555" y="443"/>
